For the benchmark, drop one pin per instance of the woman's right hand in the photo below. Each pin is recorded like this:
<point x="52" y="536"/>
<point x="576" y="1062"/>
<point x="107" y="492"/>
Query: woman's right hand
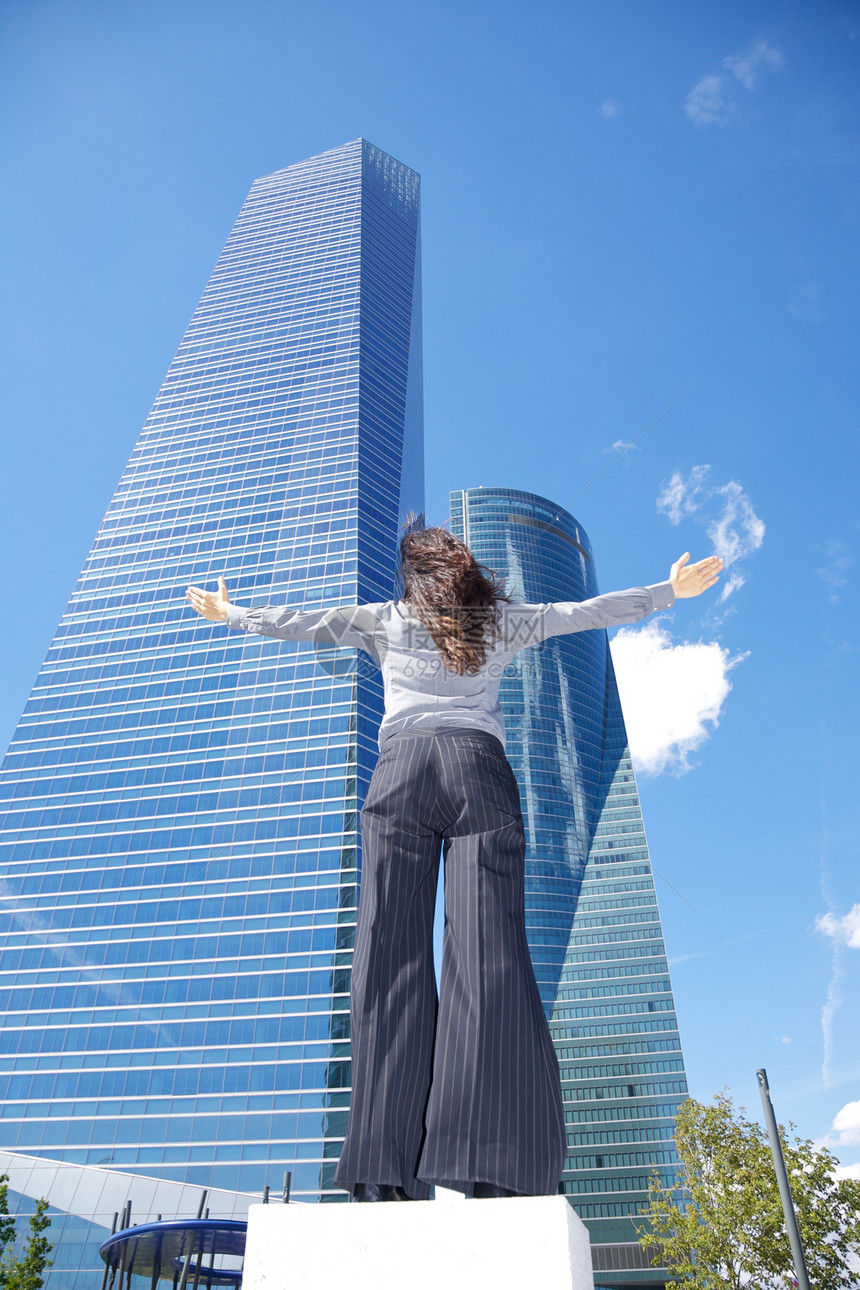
<point x="210" y="604"/>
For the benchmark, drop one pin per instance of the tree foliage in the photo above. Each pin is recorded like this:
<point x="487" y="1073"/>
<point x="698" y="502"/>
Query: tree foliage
<point x="23" y="1271"/>
<point x="722" y="1225"/>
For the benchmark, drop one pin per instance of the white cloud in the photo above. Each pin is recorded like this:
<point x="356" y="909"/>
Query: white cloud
<point x="845" y="1132"/>
<point x="847" y="1124"/>
<point x="716" y="100"/>
<point x="727" y="513"/>
<point x="608" y="109"/>
<point x="709" y="102"/>
<point x="845" y="930"/>
<point x="847" y="1171"/>
<point x="746" y="68"/>
<point x="672" y="695"/>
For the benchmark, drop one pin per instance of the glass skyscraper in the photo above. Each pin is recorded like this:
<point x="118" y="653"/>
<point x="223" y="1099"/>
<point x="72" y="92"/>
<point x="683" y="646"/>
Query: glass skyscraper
<point x="593" y="924"/>
<point x="179" y="803"/>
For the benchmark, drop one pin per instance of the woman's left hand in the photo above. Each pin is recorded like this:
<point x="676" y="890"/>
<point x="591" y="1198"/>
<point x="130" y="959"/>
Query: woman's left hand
<point x="692" y="579"/>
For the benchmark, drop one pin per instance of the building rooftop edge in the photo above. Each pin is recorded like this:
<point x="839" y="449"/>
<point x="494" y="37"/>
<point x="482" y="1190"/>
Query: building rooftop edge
<point x="523" y="493"/>
<point x="359" y="142"/>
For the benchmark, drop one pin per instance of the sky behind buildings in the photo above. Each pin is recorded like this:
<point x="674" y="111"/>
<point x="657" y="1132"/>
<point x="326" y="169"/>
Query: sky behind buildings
<point x="618" y="200"/>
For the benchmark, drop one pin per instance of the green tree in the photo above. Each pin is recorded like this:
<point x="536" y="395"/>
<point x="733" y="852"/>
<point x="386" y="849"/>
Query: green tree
<point x="721" y="1224"/>
<point x="24" y="1271"/>
<point x="7" y="1222"/>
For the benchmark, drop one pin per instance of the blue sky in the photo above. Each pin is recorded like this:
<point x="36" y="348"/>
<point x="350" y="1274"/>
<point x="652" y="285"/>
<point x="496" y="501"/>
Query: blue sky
<point x="618" y="199"/>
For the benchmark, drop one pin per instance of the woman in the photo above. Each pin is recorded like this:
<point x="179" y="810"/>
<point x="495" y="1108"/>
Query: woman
<point x="465" y="1094"/>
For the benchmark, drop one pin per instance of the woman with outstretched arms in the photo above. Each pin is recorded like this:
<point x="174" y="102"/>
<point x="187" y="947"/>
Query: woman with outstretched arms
<point x="462" y="1091"/>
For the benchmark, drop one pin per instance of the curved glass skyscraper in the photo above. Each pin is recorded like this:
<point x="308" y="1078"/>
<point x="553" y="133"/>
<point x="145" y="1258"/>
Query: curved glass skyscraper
<point x="178" y="802"/>
<point x="593" y="923"/>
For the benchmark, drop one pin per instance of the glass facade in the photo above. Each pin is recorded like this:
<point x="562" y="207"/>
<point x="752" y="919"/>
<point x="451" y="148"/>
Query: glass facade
<point x="593" y="923"/>
<point x="179" y="803"/>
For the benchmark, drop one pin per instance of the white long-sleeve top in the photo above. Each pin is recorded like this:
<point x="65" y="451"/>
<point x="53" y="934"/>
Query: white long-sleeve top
<point x="421" y="693"/>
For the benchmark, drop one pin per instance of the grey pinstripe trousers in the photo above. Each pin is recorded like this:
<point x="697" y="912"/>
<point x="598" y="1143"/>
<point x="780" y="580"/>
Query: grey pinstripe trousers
<point x="469" y="1092"/>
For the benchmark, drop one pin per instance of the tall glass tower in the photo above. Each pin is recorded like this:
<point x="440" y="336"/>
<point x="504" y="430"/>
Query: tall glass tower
<point x="593" y="923"/>
<point x="179" y="803"/>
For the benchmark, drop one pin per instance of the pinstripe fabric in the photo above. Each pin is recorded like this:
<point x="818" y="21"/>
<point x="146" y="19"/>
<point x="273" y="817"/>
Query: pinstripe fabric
<point x="471" y="1094"/>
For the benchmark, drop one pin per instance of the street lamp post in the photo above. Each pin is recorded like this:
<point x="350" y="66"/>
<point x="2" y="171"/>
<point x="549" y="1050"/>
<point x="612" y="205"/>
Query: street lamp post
<point x="784" y="1188"/>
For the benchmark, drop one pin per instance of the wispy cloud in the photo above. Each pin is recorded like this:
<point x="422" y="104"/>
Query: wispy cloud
<point x="709" y="102"/>
<point x="806" y="303"/>
<point x="836" y="929"/>
<point x="682" y="496"/>
<point x="734" y="583"/>
<point x="671" y="694"/>
<point x="68" y="955"/>
<point x="830" y="1007"/>
<point x="844" y="931"/>
<point x="731" y="523"/>
<point x="716" y="99"/>
<point x="621" y="446"/>
<point x="737" y="530"/>
<point x="748" y="67"/>
<point x="834" y="574"/>
<point x="609" y="109"/>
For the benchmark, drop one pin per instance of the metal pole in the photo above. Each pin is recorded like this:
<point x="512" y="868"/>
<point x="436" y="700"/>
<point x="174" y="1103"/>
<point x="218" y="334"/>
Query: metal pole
<point x="200" y="1256"/>
<point x="130" y="1268"/>
<point x="800" y="1272"/>
<point x="156" y="1264"/>
<point x="183" y="1282"/>
<point x="122" y="1258"/>
<point x="107" y="1261"/>
<point x="121" y="1266"/>
<point x="186" y="1267"/>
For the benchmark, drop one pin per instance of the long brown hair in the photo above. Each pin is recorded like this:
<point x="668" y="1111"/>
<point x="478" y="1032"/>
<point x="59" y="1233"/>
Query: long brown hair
<point x="455" y="598"/>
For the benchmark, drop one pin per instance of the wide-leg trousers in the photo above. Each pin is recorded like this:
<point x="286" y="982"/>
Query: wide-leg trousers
<point x="467" y="1090"/>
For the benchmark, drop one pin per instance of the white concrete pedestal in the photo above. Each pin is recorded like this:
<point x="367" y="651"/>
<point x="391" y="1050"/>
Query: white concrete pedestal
<point x="505" y="1244"/>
